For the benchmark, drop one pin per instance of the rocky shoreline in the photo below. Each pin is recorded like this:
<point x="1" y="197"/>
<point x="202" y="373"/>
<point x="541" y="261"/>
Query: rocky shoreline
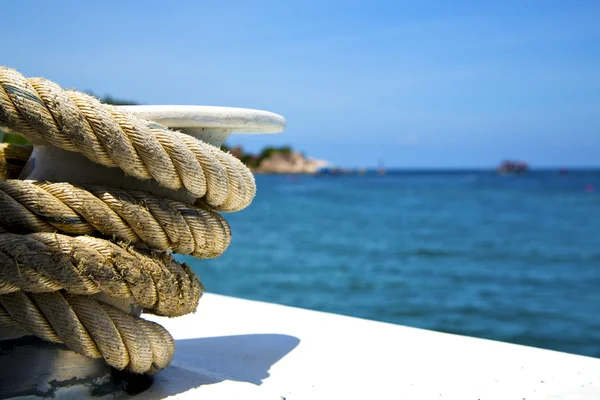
<point x="281" y="160"/>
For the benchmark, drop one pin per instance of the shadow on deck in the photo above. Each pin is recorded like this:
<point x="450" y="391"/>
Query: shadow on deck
<point x="205" y="361"/>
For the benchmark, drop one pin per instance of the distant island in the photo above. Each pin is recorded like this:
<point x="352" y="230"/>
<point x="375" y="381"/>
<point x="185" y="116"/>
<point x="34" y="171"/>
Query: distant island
<point x="277" y="160"/>
<point x="511" y="167"/>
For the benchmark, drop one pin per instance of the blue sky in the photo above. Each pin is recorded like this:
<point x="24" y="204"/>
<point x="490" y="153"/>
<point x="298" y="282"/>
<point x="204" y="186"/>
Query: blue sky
<point x="414" y="84"/>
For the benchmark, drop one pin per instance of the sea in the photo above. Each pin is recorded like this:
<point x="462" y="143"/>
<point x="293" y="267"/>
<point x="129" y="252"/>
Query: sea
<point x="510" y="258"/>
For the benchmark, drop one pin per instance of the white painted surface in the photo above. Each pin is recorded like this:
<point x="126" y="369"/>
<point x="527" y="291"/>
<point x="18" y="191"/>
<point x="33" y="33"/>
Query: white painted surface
<point x="240" y="349"/>
<point x="208" y="123"/>
<point x="237" y="120"/>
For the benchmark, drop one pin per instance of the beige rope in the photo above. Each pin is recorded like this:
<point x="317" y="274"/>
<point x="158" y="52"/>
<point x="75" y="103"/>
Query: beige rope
<point x="91" y="328"/>
<point x="127" y="215"/>
<point x="44" y="113"/>
<point x="46" y="262"/>
<point x="56" y="279"/>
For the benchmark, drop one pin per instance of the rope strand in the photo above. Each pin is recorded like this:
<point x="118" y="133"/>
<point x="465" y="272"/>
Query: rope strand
<point x="44" y="113"/>
<point x="127" y="215"/>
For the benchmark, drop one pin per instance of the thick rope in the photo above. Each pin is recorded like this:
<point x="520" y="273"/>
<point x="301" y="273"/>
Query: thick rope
<point x="127" y="215"/>
<point x="58" y="281"/>
<point x="91" y="328"/>
<point x="43" y="112"/>
<point x="47" y="262"/>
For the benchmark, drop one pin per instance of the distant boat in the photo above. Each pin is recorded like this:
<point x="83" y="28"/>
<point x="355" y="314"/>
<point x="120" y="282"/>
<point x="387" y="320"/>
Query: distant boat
<point x="512" y="168"/>
<point x="381" y="168"/>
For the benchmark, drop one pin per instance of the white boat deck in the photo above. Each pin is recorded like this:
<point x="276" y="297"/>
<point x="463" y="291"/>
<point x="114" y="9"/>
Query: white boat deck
<point x="239" y="349"/>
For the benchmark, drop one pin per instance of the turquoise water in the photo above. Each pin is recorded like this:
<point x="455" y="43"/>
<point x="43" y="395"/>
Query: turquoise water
<point x="510" y="258"/>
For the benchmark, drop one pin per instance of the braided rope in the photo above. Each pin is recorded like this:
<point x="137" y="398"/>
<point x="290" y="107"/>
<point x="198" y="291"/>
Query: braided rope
<point x="43" y="112"/>
<point x="91" y="328"/>
<point x="47" y="262"/>
<point x="127" y="215"/>
<point x="67" y="252"/>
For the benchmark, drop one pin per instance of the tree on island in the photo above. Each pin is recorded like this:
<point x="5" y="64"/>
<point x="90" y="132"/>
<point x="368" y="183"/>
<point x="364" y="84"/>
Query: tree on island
<point x="254" y="160"/>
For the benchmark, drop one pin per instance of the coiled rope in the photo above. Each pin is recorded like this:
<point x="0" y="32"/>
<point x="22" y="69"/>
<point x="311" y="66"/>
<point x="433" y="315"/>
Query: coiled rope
<point x="67" y="251"/>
